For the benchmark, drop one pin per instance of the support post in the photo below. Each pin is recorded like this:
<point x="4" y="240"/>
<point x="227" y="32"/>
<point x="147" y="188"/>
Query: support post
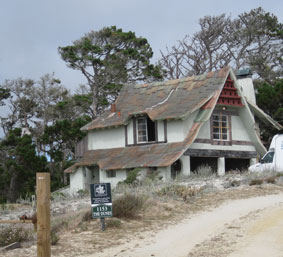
<point x="43" y="214"/>
<point x="221" y="166"/>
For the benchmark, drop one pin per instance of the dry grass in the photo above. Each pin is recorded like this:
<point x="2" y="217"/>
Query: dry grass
<point x="15" y="233"/>
<point x="154" y="206"/>
<point x="128" y="205"/>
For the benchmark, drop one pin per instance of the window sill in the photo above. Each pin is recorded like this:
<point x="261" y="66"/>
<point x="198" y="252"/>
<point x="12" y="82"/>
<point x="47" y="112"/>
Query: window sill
<point x="147" y="143"/>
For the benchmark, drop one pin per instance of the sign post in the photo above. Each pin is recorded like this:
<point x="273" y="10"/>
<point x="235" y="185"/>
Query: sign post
<point x="101" y="202"/>
<point x="43" y="214"/>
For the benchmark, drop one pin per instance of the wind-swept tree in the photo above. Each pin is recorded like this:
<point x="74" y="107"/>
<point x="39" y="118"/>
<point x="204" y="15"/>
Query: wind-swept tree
<point x="108" y="58"/>
<point x="253" y="39"/>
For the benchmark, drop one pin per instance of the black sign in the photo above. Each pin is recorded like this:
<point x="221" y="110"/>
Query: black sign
<point x="101" y="201"/>
<point x="100" y="193"/>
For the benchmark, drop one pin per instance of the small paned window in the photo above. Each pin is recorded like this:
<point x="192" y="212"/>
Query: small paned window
<point x="145" y="130"/>
<point x="142" y="129"/>
<point x="111" y="174"/>
<point x="220" y="127"/>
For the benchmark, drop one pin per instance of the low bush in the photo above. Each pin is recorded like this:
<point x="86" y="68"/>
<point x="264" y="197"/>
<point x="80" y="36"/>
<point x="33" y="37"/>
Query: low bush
<point x="87" y="215"/>
<point x="128" y="205"/>
<point x="256" y="181"/>
<point x="204" y="171"/>
<point x="235" y="183"/>
<point x="54" y="238"/>
<point x="113" y="223"/>
<point x="132" y="176"/>
<point x="12" y="234"/>
<point x="181" y="191"/>
<point x="270" y="180"/>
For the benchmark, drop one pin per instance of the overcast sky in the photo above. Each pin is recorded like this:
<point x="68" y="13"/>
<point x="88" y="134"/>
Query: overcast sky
<point x="32" y="30"/>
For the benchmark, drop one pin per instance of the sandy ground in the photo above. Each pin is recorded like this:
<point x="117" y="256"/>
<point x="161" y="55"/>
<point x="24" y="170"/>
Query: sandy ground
<point x="233" y="222"/>
<point x="258" y="223"/>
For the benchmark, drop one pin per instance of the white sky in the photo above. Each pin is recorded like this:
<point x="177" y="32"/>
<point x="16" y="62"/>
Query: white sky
<point x="32" y="30"/>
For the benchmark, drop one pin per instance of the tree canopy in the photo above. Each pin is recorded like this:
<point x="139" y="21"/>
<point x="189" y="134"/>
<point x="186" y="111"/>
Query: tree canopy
<point x="252" y="39"/>
<point x="108" y="58"/>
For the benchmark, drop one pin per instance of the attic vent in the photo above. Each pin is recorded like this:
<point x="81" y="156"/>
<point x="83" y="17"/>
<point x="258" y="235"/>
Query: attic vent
<point x="229" y="94"/>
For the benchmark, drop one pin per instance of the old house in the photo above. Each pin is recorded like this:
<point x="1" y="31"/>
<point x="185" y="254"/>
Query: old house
<point x="171" y="128"/>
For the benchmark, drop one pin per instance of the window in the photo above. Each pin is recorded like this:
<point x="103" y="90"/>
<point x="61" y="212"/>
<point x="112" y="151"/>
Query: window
<point x="146" y="130"/>
<point x="111" y="174"/>
<point x="268" y="158"/>
<point x="220" y="127"/>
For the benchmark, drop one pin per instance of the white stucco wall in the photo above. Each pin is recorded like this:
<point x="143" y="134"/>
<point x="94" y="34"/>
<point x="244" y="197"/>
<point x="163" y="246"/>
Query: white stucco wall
<point x="106" y="138"/>
<point x="130" y="132"/>
<point x="120" y="176"/>
<point x="175" y="131"/>
<point x="165" y="173"/>
<point x="77" y="180"/>
<point x="160" y="128"/>
<point x="239" y="131"/>
<point x="204" y="131"/>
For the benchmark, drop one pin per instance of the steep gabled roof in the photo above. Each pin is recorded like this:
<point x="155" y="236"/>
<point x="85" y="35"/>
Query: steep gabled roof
<point x="173" y="99"/>
<point x="167" y="100"/>
<point x="153" y="155"/>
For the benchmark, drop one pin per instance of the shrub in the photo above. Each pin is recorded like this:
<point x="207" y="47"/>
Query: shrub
<point x="256" y="181"/>
<point x="87" y="216"/>
<point x="54" y="238"/>
<point x="82" y="193"/>
<point x="113" y="223"/>
<point x="270" y="180"/>
<point x="132" y="176"/>
<point x="235" y="183"/>
<point x="181" y="191"/>
<point x="12" y="234"/>
<point x="204" y="170"/>
<point x="128" y="205"/>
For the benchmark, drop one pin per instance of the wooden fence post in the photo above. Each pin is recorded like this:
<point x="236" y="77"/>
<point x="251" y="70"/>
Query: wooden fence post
<point x="43" y="214"/>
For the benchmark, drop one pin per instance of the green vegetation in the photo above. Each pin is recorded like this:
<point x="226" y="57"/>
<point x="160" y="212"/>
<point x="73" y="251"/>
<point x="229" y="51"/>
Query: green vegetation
<point x="128" y="205"/>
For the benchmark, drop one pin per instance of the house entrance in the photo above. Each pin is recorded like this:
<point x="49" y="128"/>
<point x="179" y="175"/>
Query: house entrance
<point x="176" y="169"/>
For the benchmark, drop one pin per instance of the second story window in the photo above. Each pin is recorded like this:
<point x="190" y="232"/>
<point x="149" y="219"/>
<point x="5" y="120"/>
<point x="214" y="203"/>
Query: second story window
<point x="146" y="130"/>
<point x="220" y="127"/>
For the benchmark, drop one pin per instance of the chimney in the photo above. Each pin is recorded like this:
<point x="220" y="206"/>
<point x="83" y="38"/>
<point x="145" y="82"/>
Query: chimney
<point x="244" y="77"/>
<point x="113" y="108"/>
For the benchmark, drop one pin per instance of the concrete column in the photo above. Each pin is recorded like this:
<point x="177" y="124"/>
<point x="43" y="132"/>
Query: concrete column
<point x="186" y="165"/>
<point x="253" y="161"/>
<point x="221" y="166"/>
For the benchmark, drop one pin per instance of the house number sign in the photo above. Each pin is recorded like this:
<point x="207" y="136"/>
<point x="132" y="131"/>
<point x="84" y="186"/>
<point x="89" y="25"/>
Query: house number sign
<point x="101" y="201"/>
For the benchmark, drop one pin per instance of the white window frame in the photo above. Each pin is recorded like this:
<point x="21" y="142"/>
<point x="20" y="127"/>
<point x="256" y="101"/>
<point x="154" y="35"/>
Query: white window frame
<point x="139" y="129"/>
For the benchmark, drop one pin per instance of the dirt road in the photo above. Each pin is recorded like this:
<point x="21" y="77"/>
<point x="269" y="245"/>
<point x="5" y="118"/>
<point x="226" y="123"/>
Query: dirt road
<point x="247" y="227"/>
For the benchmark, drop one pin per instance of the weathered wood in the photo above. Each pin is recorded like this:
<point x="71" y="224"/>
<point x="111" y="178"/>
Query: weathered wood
<point x="43" y="214"/>
<point x="233" y="142"/>
<point x="11" y="247"/>
<point x="15" y="221"/>
<point x="221" y="153"/>
<point x="81" y="147"/>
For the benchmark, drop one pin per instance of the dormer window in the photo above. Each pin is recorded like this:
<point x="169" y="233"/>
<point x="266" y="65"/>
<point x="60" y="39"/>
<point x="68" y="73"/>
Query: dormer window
<point x="146" y="130"/>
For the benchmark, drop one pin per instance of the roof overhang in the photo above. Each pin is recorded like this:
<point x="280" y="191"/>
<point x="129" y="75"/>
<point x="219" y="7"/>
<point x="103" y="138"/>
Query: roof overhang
<point x="260" y="114"/>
